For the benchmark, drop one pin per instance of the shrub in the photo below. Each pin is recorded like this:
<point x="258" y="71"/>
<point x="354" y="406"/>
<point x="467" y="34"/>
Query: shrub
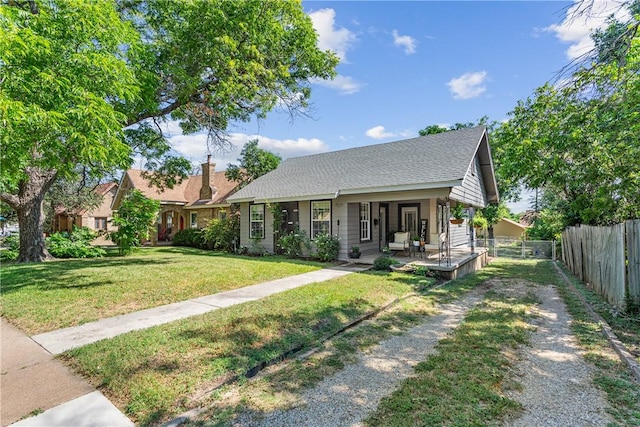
<point x="327" y="247"/>
<point x="294" y="243"/>
<point x="12" y="245"/>
<point x="222" y="234"/>
<point x="76" y="244"/>
<point x="191" y="237"/>
<point x="384" y="262"/>
<point x="135" y="218"/>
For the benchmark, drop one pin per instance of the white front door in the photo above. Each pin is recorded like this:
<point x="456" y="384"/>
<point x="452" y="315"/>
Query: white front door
<point x="409" y="218"/>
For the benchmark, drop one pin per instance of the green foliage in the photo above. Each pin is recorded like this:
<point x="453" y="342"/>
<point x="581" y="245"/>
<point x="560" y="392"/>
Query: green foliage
<point x="494" y="213"/>
<point x="76" y="73"/>
<point x="222" y="234"/>
<point x="479" y="221"/>
<point x="294" y="244"/>
<point x="457" y="211"/>
<point x="548" y="225"/>
<point x="76" y="244"/>
<point x="135" y="218"/>
<point x="190" y="237"/>
<point x="254" y="163"/>
<point x="327" y="247"/>
<point x="12" y="244"/>
<point x="384" y="262"/>
<point x="579" y="140"/>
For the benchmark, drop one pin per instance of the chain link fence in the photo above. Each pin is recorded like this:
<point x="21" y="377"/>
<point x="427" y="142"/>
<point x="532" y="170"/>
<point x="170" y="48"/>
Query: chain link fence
<point x="517" y="248"/>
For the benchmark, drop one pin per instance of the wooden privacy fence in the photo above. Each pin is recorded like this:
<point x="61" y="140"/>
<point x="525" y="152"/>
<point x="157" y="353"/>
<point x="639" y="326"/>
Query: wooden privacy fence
<point x="607" y="259"/>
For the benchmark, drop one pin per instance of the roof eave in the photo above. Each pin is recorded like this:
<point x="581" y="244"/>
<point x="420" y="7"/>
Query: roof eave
<point x="402" y="187"/>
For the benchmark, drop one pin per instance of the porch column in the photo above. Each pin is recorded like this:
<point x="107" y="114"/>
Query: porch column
<point x="433" y="221"/>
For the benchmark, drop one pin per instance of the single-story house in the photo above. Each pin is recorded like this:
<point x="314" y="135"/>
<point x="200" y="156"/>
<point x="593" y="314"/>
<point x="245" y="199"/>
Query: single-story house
<point x="506" y="227"/>
<point x="97" y="219"/>
<point x="364" y="195"/>
<point x="190" y="204"/>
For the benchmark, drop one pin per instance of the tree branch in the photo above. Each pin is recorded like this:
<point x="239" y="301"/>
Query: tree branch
<point x="10" y="199"/>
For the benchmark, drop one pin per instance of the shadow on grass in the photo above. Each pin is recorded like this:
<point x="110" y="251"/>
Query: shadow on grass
<point x="211" y="350"/>
<point x="64" y="273"/>
<point x="40" y="275"/>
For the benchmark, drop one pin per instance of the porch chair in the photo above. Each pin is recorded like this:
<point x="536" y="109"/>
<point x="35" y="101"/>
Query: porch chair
<point x="400" y="242"/>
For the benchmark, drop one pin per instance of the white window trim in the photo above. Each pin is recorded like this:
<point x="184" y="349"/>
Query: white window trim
<point x="252" y="221"/>
<point x="365" y="224"/>
<point x="313" y="236"/>
<point x="194" y="224"/>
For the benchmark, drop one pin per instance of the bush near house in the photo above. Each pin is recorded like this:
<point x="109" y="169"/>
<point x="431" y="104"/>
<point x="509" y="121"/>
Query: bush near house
<point x="190" y="237"/>
<point x="76" y="244"/>
<point x="222" y="234"/>
<point x="384" y="262"/>
<point x="327" y="247"/>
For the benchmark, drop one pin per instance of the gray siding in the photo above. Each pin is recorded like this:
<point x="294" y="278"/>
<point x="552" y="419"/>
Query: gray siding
<point x="244" y="224"/>
<point x="472" y="190"/>
<point x="459" y="234"/>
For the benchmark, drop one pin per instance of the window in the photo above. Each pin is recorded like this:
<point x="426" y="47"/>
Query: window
<point x="101" y="223"/>
<point x="320" y="218"/>
<point x="365" y="221"/>
<point x="256" y="221"/>
<point x="222" y="214"/>
<point x="194" y="220"/>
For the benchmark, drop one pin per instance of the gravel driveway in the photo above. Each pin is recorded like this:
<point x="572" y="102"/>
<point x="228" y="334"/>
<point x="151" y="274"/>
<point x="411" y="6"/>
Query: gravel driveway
<point x="556" y="381"/>
<point x="345" y="398"/>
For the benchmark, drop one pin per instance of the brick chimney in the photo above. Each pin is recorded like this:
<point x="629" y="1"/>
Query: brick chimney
<point x="207" y="190"/>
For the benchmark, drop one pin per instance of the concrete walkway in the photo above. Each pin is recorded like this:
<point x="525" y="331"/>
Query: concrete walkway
<point x="32" y="380"/>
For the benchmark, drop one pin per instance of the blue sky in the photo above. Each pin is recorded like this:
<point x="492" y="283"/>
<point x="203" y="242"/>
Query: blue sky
<point x="406" y="65"/>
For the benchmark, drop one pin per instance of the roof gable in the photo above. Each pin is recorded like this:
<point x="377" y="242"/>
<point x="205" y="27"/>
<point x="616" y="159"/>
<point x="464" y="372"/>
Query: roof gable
<point x="431" y="161"/>
<point x="185" y="193"/>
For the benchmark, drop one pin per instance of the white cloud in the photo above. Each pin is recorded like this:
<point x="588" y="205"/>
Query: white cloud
<point x="338" y="40"/>
<point x="579" y="23"/>
<point x="378" y="132"/>
<point x="285" y="148"/>
<point x="468" y="85"/>
<point x="408" y="42"/>
<point x="344" y="84"/>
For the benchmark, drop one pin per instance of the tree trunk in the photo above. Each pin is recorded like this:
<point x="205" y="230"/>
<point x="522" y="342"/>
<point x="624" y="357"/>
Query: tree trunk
<point x="490" y="231"/>
<point x="28" y="204"/>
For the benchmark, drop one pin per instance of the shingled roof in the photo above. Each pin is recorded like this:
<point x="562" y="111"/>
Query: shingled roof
<point x="431" y="161"/>
<point x="187" y="192"/>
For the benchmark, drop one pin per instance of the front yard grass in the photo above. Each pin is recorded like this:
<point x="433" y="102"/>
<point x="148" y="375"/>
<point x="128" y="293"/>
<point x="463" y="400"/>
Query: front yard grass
<point x="47" y="296"/>
<point x="154" y="374"/>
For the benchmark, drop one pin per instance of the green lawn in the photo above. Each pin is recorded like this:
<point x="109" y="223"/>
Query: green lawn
<point x="153" y="375"/>
<point x="46" y="296"/>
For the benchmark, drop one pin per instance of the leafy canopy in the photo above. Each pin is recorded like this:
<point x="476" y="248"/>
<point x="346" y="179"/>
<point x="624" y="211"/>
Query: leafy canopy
<point x="61" y="70"/>
<point x="580" y="141"/>
<point x="254" y="163"/>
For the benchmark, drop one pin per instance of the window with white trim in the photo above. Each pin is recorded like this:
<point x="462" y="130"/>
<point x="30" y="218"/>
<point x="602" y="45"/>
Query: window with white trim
<point x="194" y="220"/>
<point x="222" y="214"/>
<point x="256" y="221"/>
<point x="101" y="223"/>
<point x="365" y="221"/>
<point x="320" y="218"/>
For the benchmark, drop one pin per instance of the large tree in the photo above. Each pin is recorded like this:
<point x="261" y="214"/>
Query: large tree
<point x="74" y="74"/>
<point x="254" y="163"/>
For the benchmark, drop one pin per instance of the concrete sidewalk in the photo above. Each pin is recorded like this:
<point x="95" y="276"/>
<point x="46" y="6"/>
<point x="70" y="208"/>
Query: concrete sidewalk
<point x="32" y="380"/>
<point x="59" y="341"/>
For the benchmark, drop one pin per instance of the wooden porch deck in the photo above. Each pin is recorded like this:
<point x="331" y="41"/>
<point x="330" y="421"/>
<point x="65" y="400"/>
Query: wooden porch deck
<point x="462" y="261"/>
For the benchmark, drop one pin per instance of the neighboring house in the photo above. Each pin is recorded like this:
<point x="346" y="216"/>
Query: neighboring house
<point x="190" y="204"/>
<point x="508" y="228"/>
<point x="97" y="219"/>
<point x="363" y="195"/>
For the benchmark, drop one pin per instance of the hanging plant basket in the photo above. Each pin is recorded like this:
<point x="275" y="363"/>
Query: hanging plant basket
<point x="456" y="221"/>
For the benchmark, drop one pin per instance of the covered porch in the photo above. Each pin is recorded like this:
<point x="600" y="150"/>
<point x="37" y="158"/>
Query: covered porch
<point x="463" y="260"/>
